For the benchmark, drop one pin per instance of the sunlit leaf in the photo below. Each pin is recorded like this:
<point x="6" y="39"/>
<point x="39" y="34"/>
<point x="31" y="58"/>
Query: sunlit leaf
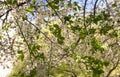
<point x="83" y="33"/>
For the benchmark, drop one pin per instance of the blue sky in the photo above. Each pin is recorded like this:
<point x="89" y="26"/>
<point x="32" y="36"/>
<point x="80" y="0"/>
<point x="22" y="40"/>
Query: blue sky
<point x="90" y="3"/>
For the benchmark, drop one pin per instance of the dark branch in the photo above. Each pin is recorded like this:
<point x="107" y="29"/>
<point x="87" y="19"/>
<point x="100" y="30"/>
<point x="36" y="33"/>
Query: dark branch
<point x="114" y="67"/>
<point x="95" y="8"/>
<point x="9" y="10"/>
<point x="84" y="8"/>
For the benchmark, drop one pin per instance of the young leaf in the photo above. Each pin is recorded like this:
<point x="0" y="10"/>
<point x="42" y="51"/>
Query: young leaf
<point x="29" y="9"/>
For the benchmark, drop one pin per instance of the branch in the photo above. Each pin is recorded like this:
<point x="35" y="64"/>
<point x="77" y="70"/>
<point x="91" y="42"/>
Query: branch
<point x="76" y="44"/>
<point x="114" y="67"/>
<point x="54" y="11"/>
<point x="95" y="8"/>
<point x="43" y="33"/>
<point x="40" y="30"/>
<point x="25" y="39"/>
<point x="84" y="8"/>
<point x="9" y="10"/>
<point x="7" y="13"/>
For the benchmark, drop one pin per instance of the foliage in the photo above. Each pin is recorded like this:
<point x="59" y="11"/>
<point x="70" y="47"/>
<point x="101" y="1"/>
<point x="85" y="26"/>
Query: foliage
<point x="60" y="38"/>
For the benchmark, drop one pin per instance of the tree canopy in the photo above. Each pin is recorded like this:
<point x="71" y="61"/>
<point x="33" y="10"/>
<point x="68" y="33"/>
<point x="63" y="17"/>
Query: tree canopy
<point x="60" y="38"/>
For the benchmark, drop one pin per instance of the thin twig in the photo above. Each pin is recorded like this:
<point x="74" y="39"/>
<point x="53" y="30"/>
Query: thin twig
<point x="84" y="8"/>
<point x="40" y="30"/>
<point x="25" y="39"/>
<point x="114" y="67"/>
<point x="95" y="7"/>
<point x="43" y="34"/>
<point x="54" y="11"/>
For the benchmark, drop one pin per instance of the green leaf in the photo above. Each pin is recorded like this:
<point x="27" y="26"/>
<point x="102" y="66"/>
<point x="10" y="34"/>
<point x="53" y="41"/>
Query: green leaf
<point x="83" y="33"/>
<point x="76" y="4"/>
<point x="66" y="49"/>
<point x="67" y="18"/>
<point x="60" y="40"/>
<point x="103" y="16"/>
<point x="96" y="45"/>
<point x="115" y="33"/>
<point x="20" y="52"/>
<point x="33" y="72"/>
<point x="92" y="31"/>
<point x="56" y="1"/>
<point x="104" y="30"/>
<point x="53" y="5"/>
<point x="56" y="31"/>
<point x="62" y="68"/>
<point x="29" y="0"/>
<point x="114" y="4"/>
<point x="0" y="37"/>
<point x="24" y="17"/>
<point x="95" y="65"/>
<point x="14" y="2"/>
<point x="11" y="2"/>
<point x="40" y="56"/>
<point x="106" y="63"/>
<point x="75" y="28"/>
<point x="29" y="9"/>
<point x="97" y="72"/>
<point x="21" y="57"/>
